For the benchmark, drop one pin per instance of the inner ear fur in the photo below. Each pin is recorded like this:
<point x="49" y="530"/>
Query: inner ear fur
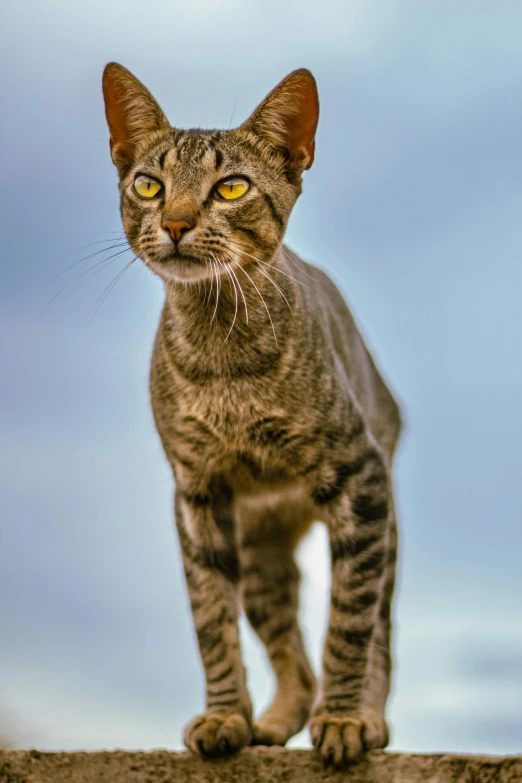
<point x="288" y="116"/>
<point x="132" y="113"/>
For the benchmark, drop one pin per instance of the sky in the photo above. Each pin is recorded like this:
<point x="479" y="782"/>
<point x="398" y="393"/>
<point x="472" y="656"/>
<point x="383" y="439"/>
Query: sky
<point x="413" y="206"/>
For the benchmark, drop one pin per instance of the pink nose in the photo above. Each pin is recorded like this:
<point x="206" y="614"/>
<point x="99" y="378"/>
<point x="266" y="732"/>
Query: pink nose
<point x="176" y="228"/>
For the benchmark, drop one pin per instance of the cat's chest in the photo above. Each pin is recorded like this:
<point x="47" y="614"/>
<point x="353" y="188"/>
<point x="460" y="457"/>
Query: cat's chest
<point x="228" y="412"/>
<point x="230" y="421"/>
<point x="254" y="421"/>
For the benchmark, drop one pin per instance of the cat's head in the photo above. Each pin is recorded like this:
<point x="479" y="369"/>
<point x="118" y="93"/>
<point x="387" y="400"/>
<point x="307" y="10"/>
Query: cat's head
<point x="193" y="201"/>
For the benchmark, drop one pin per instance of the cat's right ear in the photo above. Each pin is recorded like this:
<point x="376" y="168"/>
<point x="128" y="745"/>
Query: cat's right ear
<point x="288" y="116"/>
<point x="132" y="114"/>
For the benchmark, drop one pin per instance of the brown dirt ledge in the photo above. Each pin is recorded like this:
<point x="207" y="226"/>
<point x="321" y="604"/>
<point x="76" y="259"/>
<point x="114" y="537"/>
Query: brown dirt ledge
<point x="252" y="765"/>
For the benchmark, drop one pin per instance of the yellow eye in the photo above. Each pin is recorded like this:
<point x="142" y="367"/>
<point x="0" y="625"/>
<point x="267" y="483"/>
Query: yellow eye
<point x="146" y="187"/>
<point x="232" y="188"/>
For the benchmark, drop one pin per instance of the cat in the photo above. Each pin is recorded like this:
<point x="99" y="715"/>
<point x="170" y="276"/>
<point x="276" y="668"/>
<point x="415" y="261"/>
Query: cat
<point x="271" y="413"/>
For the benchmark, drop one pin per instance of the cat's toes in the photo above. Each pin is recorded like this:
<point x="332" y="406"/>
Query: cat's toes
<point x="217" y="735"/>
<point x="270" y="733"/>
<point x="342" y="740"/>
<point x="277" y="724"/>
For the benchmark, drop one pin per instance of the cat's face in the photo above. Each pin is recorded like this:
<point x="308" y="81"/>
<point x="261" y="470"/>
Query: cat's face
<point x="195" y="201"/>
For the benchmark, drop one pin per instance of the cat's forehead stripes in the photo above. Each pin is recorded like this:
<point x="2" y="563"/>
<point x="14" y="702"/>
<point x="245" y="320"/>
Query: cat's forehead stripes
<point x="191" y="147"/>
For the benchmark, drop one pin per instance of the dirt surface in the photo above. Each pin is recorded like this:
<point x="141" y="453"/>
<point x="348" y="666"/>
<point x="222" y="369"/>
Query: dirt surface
<point x="252" y="765"/>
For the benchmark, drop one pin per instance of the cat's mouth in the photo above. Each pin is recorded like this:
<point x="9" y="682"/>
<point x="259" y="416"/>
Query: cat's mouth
<point x="180" y="267"/>
<point x="181" y="258"/>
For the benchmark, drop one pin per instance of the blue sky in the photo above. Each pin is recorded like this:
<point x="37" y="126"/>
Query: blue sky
<point x="413" y="205"/>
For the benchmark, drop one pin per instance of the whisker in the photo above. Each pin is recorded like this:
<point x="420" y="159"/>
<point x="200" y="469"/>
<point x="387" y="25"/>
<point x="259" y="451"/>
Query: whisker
<point x="207" y="292"/>
<point x="93" y="269"/>
<point x="101" y="299"/>
<point x="236" y="300"/>
<point x="282" y="248"/>
<point x="84" y="282"/>
<point x="75" y="290"/>
<point x="238" y="244"/>
<point x="86" y="258"/>
<point x="281" y="292"/>
<point x="91" y="244"/>
<point x="266" y="308"/>
<point x="240" y="289"/>
<point x="233" y="111"/>
<point x="268" y="276"/>
<point x="243" y="141"/>
<point x="217" y="287"/>
<point x="213" y="265"/>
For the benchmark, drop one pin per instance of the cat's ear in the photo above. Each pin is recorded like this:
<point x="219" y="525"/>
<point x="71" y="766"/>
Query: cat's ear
<point x="287" y="118"/>
<point x="132" y="113"/>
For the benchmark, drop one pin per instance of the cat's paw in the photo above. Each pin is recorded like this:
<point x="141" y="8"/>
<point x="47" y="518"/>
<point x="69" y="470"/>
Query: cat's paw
<point x="213" y="734"/>
<point x="270" y="732"/>
<point x="276" y="726"/>
<point x="341" y="740"/>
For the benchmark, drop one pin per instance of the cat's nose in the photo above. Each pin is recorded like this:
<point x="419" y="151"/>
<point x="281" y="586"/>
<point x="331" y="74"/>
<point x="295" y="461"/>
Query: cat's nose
<point x="176" y="228"/>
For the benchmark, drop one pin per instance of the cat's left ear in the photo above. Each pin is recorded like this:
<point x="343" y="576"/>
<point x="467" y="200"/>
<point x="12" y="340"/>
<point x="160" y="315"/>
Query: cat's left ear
<point x="288" y="116"/>
<point x="132" y="114"/>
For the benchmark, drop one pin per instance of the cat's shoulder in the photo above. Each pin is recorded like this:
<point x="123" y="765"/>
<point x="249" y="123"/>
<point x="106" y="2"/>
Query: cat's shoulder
<point x="323" y="287"/>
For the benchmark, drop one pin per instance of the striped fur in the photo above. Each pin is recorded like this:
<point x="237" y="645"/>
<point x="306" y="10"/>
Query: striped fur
<point x="272" y="414"/>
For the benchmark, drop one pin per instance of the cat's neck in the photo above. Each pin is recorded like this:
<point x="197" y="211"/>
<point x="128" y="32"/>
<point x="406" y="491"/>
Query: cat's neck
<point x="237" y="324"/>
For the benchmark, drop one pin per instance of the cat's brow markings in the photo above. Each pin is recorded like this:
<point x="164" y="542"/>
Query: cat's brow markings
<point x="162" y="157"/>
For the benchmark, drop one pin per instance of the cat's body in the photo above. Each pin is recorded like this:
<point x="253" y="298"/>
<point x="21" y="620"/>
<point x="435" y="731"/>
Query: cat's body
<point x="271" y="413"/>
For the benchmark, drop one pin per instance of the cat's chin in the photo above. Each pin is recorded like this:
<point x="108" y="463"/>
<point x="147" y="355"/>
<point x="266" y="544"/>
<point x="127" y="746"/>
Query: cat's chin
<point x="182" y="269"/>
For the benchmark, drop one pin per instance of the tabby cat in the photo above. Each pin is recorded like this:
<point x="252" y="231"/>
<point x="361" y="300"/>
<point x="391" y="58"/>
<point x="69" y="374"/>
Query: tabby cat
<point x="272" y="415"/>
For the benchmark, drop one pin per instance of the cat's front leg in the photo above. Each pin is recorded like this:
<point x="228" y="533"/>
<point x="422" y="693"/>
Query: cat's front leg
<point x="355" y="494"/>
<point x="211" y="570"/>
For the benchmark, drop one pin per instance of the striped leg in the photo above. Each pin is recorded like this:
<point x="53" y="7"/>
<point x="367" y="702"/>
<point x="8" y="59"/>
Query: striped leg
<point x="347" y="720"/>
<point x="211" y="571"/>
<point x="270" y="585"/>
<point x="378" y="678"/>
